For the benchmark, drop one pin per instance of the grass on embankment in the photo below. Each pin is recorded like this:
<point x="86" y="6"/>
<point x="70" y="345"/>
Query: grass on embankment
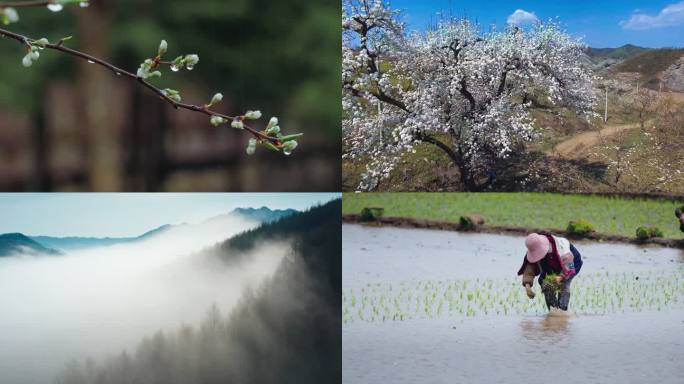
<point x="610" y="215"/>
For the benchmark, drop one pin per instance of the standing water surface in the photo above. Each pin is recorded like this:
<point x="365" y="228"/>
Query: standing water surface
<point x="444" y="307"/>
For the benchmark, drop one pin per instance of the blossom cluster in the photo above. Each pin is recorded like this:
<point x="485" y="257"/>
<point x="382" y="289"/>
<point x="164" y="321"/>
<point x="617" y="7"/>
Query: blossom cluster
<point x="452" y="85"/>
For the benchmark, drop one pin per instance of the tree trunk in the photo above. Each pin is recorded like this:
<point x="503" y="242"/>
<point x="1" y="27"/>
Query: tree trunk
<point x="466" y="175"/>
<point x="99" y="110"/>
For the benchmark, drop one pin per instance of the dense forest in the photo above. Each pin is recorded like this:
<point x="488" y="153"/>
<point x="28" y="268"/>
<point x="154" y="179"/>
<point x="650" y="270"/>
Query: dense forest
<point x="286" y="331"/>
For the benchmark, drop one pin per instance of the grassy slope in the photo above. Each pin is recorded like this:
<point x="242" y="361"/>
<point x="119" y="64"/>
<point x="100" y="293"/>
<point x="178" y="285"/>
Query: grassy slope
<point x="609" y="215"/>
<point x="427" y="169"/>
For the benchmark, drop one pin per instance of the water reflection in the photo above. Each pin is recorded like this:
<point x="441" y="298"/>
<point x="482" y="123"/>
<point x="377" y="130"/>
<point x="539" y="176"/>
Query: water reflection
<point x="553" y="327"/>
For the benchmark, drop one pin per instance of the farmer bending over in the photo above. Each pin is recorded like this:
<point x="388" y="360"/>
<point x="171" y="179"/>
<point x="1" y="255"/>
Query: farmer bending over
<point x="547" y="254"/>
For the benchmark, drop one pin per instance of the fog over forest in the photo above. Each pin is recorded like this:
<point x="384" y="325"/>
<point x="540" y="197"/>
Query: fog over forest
<point x="99" y="301"/>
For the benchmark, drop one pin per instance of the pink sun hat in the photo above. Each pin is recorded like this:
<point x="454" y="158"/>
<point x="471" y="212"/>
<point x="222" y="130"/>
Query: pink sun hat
<point x="537" y="247"/>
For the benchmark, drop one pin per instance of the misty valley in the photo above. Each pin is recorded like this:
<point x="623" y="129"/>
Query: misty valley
<point x="252" y="296"/>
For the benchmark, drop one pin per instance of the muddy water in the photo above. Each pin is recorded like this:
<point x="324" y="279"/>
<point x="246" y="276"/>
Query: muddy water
<point x="615" y="345"/>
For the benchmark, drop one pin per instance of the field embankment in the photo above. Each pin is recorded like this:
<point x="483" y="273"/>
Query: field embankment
<point x="614" y="218"/>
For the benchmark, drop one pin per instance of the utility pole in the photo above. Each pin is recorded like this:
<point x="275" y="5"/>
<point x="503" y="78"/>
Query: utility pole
<point x="605" y="116"/>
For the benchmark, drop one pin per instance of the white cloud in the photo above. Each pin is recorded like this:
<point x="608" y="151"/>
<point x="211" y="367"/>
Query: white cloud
<point x="669" y="16"/>
<point x="521" y="17"/>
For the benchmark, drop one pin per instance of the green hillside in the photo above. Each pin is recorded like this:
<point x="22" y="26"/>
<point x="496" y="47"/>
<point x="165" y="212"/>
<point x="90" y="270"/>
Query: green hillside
<point x="620" y="53"/>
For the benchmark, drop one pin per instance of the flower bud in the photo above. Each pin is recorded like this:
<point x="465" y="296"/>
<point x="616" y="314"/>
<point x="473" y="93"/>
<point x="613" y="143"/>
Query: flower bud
<point x="289" y="146"/>
<point x="172" y="94"/>
<point x="10" y="15"/>
<point x="272" y="123"/>
<point x="272" y="131"/>
<point x="237" y="124"/>
<point x="41" y="42"/>
<point x="190" y="61"/>
<point x="217" y="120"/>
<point x="251" y="147"/>
<point x="163" y="47"/>
<point x="216" y="99"/>
<point x="26" y="61"/>
<point x="253" y="115"/>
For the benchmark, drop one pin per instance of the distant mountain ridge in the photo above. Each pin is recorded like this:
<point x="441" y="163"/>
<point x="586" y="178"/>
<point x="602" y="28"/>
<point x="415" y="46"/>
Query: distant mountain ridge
<point x="74" y="243"/>
<point x="264" y="214"/>
<point x="620" y="53"/>
<point x="11" y="243"/>
<point x="652" y="64"/>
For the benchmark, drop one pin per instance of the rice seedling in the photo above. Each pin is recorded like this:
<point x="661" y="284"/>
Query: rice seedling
<point x="592" y="293"/>
<point x="550" y="282"/>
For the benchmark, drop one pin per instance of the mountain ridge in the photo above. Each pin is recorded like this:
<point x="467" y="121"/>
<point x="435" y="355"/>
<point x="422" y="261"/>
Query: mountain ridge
<point x="74" y="243"/>
<point x="11" y="243"/>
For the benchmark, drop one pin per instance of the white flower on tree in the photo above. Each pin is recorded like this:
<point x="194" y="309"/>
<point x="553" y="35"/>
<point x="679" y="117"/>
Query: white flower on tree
<point x="466" y="92"/>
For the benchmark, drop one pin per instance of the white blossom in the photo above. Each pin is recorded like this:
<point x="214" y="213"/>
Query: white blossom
<point x="451" y="86"/>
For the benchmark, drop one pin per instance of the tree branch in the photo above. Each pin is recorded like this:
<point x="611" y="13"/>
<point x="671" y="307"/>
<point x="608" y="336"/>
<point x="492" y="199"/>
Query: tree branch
<point x="466" y="93"/>
<point x="25" y="4"/>
<point x="121" y="72"/>
<point x="420" y="136"/>
<point x="546" y="69"/>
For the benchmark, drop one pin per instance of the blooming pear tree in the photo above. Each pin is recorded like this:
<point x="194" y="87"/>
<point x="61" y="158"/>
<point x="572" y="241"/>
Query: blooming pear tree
<point x="467" y="93"/>
<point x="151" y="68"/>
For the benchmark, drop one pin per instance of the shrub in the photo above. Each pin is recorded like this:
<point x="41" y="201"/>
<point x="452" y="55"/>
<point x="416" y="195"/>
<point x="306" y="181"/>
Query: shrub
<point x="580" y="228"/>
<point x="372" y="213"/>
<point x="470" y="222"/>
<point x="644" y="233"/>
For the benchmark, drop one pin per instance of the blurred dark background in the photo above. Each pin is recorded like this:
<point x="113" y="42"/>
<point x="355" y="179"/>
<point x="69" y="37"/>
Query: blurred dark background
<point x="69" y="125"/>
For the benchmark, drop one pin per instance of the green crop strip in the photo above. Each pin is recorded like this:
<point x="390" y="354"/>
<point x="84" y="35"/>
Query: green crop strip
<point x="609" y="215"/>
<point x="597" y="293"/>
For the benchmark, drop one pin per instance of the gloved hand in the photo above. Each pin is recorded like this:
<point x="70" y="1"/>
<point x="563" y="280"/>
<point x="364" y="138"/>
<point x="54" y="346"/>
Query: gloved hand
<point x="530" y="291"/>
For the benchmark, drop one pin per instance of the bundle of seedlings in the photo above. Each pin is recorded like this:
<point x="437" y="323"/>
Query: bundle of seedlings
<point x="550" y="283"/>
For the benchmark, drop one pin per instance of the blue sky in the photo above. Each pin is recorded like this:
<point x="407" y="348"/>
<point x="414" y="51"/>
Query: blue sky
<point x="116" y="215"/>
<point x="602" y="23"/>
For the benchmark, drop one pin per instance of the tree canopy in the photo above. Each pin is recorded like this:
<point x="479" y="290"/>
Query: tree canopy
<point x="465" y="91"/>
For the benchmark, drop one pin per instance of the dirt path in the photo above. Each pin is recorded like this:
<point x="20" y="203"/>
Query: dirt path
<point x="576" y="146"/>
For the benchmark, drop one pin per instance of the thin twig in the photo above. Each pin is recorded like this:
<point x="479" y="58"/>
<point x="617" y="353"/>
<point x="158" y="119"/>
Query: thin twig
<point x="121" y="72"/>
<point x="25" y="4"/>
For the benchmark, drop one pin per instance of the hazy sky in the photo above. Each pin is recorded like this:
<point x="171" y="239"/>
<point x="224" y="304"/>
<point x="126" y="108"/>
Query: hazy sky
<point x="602" y="23"/>
<point x="131" y="214"/>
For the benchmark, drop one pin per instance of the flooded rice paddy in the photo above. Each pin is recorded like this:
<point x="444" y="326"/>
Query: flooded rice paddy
<point x="445" y="307"/>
